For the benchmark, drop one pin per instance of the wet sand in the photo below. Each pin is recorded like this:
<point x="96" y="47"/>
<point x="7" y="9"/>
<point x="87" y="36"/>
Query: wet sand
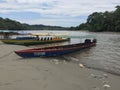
<point x="17" y="73"/>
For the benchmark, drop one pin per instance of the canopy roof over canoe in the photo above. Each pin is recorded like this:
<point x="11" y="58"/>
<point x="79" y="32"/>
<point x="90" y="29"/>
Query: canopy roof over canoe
<point x="8" y="32"/>
<point x="65" y="35"/>
<point x="81" y="36"/>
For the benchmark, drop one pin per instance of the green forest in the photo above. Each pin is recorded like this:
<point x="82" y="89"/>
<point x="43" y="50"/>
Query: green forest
<point x="102" y="21"/>
<point x="8" y="24"/>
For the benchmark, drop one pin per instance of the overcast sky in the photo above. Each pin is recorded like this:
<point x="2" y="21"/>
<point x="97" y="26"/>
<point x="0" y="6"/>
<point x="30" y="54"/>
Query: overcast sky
<point x="54" y="12"/>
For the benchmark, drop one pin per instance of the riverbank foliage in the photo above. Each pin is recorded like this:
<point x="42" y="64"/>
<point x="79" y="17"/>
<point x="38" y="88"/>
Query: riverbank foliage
<point x="8" y="24"/>
<point x="98" y="21"/>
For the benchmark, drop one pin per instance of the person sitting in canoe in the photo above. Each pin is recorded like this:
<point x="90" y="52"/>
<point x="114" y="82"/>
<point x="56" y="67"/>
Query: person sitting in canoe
<point x="37" y="37"/>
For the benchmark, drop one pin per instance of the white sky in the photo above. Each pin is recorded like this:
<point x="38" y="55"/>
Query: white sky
<point x="55" y="12"/>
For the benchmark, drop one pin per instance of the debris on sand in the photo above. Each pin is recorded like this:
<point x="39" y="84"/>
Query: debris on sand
<point x="105" y="82"/>
<point x="93" y="75"/>
<point x="81" y="65"/>
<point x="55" y="61"/>
<point x="105" y="86"/>
<point x="96" y="88"/>
<point x="105" y="75"/>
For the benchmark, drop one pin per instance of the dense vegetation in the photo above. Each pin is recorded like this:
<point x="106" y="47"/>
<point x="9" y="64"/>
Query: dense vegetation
<point x="8" y="24"/>
<point x="98" y="21"/>
<point x="46" y="27"/>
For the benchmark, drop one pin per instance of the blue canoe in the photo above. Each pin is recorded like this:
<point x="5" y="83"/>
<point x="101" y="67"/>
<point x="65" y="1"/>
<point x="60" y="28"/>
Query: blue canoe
<point x="56" y="50"/>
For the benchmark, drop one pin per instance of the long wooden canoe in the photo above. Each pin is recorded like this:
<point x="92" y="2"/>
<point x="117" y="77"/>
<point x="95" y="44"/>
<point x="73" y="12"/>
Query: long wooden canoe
<point x="55" y="50"/>
<point x="32" y="41"/>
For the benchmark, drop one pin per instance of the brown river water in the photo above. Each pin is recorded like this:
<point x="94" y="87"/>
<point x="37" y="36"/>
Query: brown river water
<point x="104" y="56"/>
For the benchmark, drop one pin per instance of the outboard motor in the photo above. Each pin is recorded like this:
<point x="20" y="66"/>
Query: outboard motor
<point x="94" y="41"/>
<point x="87" y="41"/>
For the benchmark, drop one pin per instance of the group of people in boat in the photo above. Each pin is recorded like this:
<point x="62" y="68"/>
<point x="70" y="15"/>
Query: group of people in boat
<point x="47" y="38"/>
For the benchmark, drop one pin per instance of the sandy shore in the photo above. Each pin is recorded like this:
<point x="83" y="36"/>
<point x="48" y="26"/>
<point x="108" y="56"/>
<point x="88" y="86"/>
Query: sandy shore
<point x="17" y="73"/>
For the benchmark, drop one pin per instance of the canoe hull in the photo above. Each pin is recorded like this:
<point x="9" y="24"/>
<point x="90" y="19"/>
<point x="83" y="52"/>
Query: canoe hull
<point x="53" y="53"/>
<point x="30" y="42"/>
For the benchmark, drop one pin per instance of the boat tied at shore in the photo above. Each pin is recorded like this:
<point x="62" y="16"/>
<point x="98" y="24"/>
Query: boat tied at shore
<point x="55" y="50"/>
<point x="34" y="40"/>
<point x="30" y="38"/>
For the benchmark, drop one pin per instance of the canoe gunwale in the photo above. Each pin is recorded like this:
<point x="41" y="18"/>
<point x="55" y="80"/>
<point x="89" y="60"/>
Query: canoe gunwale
<point x="54" y="49"/>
